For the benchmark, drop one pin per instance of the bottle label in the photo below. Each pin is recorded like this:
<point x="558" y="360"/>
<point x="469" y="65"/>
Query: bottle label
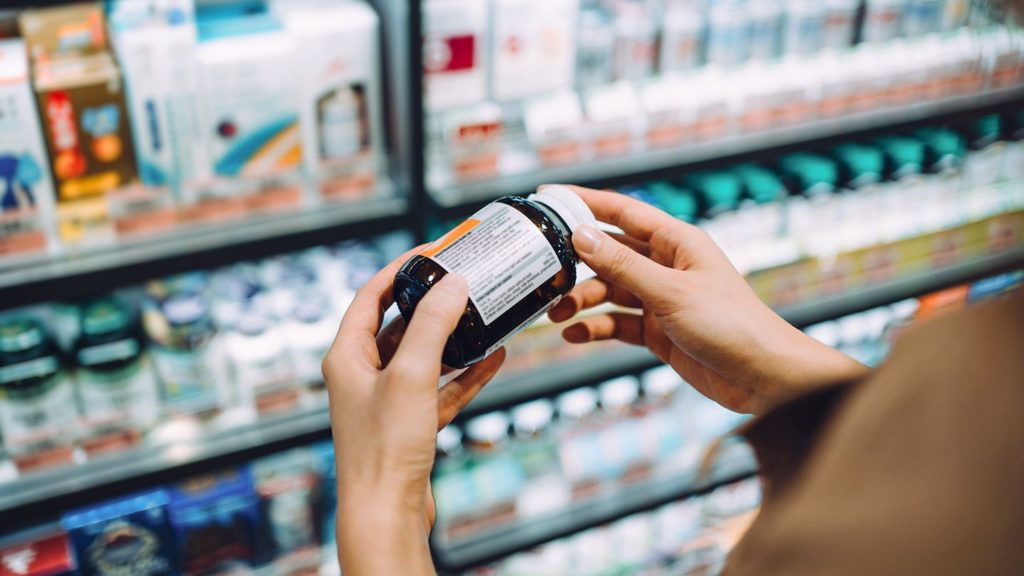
<point x="502" y="255"/>
<point x="34" y="423"/>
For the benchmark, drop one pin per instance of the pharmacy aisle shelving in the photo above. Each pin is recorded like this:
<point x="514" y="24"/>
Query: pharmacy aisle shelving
<point x="451" y="195"/>
<point x="734" y="463"/>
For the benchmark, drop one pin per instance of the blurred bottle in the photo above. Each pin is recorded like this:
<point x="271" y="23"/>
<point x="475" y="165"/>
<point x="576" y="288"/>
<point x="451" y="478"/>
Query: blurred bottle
<point x="636" y="37"/>
<point x="923" y="17"/>
<point x="37" y="403"/>
<point x="681" y="36"/>
<point x="766" y="20"/>
<point x="620" y="436"/>
<point x="579" y="451"/>
<point x="883" y="20"/>
<point x="310" y="330"/>
<point x="260" y="364"/>
<point x="728" y="36"/>
<point x="805" y="26"/>
<point x="116" y="384"/>
<point x="497" y="474"/>
<point x="595" y="48"/>
<point x="545" y="490"/>
<point x="840" y="23"/>
<point x="185" y="351"/>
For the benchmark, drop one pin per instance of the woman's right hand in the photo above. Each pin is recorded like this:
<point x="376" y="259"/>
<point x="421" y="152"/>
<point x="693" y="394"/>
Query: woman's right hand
<point x="691" y="308"/>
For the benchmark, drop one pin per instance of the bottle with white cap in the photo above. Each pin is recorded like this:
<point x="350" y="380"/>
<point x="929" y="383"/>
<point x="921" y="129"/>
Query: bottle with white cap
<point x="663" y="425"/>
<point x="579" y="452"/>
<point x="531" y="423"/>
<point x="546" y="489"/>
<point x="452" y="480"/>
<point x="535" y="232"/>
<point x="496" y="474"/>
<point x="620" y="438"/>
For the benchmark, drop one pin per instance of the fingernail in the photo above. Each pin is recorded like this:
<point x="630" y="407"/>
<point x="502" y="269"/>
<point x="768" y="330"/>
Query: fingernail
<point x="585" y="239"/>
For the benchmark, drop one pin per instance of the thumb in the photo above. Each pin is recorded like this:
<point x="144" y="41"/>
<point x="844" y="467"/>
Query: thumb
<point x="434" y="319"/>
<point x="622" y="266"/>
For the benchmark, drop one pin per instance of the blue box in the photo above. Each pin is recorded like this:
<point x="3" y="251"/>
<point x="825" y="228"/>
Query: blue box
<point x="121" y="537"/>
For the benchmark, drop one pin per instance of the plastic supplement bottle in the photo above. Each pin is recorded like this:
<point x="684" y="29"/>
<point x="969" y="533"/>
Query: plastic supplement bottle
<point x="515" y="254"/>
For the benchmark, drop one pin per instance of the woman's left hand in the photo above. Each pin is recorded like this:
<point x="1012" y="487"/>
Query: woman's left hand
<point x="386" y="409"/>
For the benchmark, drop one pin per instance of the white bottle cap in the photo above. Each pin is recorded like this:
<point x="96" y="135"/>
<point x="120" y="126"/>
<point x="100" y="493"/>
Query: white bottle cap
<point x="661" y="381"/>
<point x="577" y="404"/>
<point x="567" y="204"/>
<point x="619" y="392"/>
<point x="532" y="416"/>
<point x="491" y="428"/>
<point x="449" y="439"/>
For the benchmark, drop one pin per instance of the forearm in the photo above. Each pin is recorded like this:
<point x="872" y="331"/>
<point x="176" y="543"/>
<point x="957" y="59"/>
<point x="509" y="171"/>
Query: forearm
<point x="375" y="538"/>
<point x="804" y="364"/>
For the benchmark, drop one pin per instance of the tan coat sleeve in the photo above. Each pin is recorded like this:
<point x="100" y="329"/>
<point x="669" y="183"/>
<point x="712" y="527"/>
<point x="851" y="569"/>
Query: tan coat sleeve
<point x="919" y="469"/>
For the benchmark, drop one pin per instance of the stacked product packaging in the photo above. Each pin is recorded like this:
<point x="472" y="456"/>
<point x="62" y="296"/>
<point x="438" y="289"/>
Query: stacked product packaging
<point x="514" y="85"/>
<point x="135" y="116"/>
<point x="274" y="515"/>
<point x="91" y="380"/>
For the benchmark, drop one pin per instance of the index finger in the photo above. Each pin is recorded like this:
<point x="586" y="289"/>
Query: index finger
<point x="358" y="330"/>
<point x="635" y="218"/>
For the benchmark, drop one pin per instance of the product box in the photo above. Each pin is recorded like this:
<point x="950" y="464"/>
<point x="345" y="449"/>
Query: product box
<point x="215" y="521"/>
<point x="556" y="128"/>
<point x="454" y="60"/>
<point x="72" y="30"/>
<point x="155" y="43"/>
<point x="249" y="111"/>
<point x="127" y="536"/>
<point x="533" y="47"/>
<point x="38" y="552"/>
<point x="338" y="51"/>
<point x="287" y="487"/>
<point x="26" y="196"/>
<point x="83" y="111"/>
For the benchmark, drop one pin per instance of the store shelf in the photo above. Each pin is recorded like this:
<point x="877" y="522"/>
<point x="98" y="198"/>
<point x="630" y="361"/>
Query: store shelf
<point x="96" y="269"/>
<point x="735" y="463"/>
<point x="38" y="497"/>
<point x="907" y="286"/>
<point x="449" y="194"/>
<point x="238" y="438"/>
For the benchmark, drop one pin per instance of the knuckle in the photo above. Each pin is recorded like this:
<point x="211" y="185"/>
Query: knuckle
<point x="619" y="260"/>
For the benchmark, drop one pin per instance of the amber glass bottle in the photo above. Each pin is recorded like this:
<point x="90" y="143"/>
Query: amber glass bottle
<point x="517" y="257"/>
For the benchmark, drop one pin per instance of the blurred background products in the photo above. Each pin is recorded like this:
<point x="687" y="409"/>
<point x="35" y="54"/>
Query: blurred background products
<point x="192" y="192"/>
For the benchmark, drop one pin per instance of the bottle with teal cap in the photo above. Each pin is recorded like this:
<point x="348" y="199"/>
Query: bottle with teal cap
<point x="811" y="211"/>
<point x="985" y="152"/>
<point x="677" y="200"/>
<point x="719" y="194"/>
<point x="944" y="152"/>
<point x="903" y="204"/>
<point x="762" y="216"/>
<point x="860" y="174"/>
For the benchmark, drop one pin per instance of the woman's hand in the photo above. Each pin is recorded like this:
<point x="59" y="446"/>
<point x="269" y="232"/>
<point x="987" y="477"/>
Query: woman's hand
<point x="691" y="309"/>
<point x="386" y="409"/>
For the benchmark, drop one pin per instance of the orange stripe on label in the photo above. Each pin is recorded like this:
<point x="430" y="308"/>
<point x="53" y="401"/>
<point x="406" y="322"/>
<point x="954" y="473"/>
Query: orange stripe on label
<point x="448" y="239"/>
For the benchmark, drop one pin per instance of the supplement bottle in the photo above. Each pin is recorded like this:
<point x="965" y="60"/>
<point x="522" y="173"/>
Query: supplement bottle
<point x="37" y="405"/>
<point x="116" y="383"/>
<point x="515" y="254"/>
<point x="189" y="365"/>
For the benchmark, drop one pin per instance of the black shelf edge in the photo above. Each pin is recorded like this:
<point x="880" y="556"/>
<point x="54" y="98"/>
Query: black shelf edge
<point x="613" y="171"/>
<point x="42" y="496"/>
<point x="83" y="272"/>
<point x="734" y="464"/>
